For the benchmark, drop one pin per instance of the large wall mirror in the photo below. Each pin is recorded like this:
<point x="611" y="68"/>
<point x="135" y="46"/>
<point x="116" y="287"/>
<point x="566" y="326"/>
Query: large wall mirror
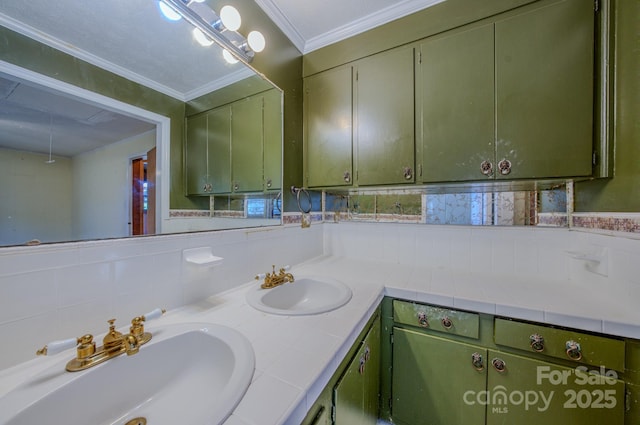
<point x="77" y="163"/>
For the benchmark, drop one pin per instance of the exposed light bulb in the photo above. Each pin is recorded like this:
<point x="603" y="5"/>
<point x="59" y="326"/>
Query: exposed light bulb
<point x="201" y="38"/>
<point x="229" y="57"/>
<point x="230" y="18"/>
<point x="256" y="41"/>
<point x="168" y="12"/>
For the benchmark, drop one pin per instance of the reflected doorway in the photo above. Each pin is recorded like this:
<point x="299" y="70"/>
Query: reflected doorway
<point x="143" y="196"/>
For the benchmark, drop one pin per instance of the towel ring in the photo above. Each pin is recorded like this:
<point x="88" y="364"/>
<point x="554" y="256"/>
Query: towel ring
<point x="297" y="191"/>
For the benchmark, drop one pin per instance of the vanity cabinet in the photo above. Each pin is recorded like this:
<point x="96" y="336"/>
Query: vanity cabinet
<point x="510" y="97"/>
<point x="451" y="366"/>
<point x="235" y="148"/>
<point x="352" y="395"/>
<point x="359" y="122"/>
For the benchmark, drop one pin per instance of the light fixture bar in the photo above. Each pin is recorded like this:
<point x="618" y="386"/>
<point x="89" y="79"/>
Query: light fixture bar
<point x="194" y="19"/>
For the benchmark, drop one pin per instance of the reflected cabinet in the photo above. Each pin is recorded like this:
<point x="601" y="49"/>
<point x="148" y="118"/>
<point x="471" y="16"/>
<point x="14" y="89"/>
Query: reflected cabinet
<point x="235" y="148"/>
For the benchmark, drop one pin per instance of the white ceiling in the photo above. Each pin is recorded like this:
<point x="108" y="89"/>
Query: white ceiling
<point x="311" y="24"/>
<point x="132" y="39"/>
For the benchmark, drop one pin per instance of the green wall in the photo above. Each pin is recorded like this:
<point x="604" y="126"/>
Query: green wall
<point x="281" y="62"/>
<point x="620" y="193"/>
<point x="27" y="53"/>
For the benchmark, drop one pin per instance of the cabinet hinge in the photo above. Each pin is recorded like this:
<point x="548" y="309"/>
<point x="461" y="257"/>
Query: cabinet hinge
<point x="594" y="158"/>
<point x="333" y="414"/>
<point x="596" y="5"/>
<point x="419" y="57"/>
<point x="391" y="338"/>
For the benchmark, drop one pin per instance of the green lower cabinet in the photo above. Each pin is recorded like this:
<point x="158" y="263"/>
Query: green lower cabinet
<point x="433" y="378"/>
<point x="527" y="391"/>
<point x="356" y="395"/>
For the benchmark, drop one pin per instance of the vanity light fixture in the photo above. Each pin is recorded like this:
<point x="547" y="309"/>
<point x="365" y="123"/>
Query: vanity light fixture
<point x="210" y="26"/>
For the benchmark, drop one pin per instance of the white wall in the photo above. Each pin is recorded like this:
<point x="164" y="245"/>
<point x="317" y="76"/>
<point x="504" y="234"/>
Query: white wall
<point x="60" y="291"/>
<point x="51" y="292"/>
<point x="101" y="195"/>
<point x="35" y="198"/>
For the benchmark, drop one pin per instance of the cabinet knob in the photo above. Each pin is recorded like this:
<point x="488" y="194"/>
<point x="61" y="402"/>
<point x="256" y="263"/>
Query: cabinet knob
<point x="537" y="343"/>
<point x="408" y="173"/>
<point x="422" y="319"/>
<point x="486" y="168"/>
<point x="236" y="186"/>
<point x="504" y="166"/>
<point x="446" y="323"/>
<point x="477" y="361"/>
<point x="574" y="351"/>
<point x="207" y="187"/>
<point x="269" y="183"/>
<point x="499" y="365"/>
<point x="347" y="177"/>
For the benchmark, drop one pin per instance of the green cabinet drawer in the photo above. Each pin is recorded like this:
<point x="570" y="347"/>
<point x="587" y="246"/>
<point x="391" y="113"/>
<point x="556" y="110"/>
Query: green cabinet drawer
<point x="437" y="318"/>
<point x="560" y="343"/>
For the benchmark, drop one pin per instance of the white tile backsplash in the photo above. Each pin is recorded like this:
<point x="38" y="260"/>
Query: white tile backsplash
<point x="58" y="291"/>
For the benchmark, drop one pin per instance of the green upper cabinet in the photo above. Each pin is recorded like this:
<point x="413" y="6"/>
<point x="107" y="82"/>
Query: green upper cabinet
<point x="544" y="90"/>
<point x="219" y="148"/>
<point x="272" y="140"/>
<point x="384" y="117"/>
<point x="207" y="152"/>
<point x="198" y="180"/>
<point x="455" y="98"/>
<point x="509" y="98"/>
<point x="236" y="148"/>
<point x="246" y="145"/>
<point x="328" y="115"/>
<point x="360" y="117"/>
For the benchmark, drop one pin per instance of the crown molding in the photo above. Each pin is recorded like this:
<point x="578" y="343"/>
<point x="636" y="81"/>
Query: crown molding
<point x="282" y="22"/>
<point x="383" y="16"/>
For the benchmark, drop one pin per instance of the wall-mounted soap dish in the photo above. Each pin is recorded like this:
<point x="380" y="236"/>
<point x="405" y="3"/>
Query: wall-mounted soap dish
<point x="201" y="256"/>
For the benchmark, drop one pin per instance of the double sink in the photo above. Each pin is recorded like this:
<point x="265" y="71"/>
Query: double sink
<point x="188" y="373"/>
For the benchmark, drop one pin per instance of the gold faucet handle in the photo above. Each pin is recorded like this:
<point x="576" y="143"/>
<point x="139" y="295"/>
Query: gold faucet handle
<point x="55" y="347"/>
<point x="137" y="325"/>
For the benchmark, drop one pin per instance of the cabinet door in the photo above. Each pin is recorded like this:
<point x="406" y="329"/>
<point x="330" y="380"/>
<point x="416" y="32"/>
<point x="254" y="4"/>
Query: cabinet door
<point x="455" y="98"/>
<point x="532" y="392"/>
<point x="273" y="140"/>
<point x="544" y="90"/>
<point x="246" y="145"/>
<point x="434" y="380"/>
<point x="219" y="135"/>
<point x="356" y="393"/>
<point x="328" y="130"/>
<point x="384" y="114"/>
<point x="196" y="167"/>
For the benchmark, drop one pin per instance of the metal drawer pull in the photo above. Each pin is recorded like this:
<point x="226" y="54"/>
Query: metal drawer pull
<point x="422" y="319"/>
<point x="486" y="168"/>
<point x="408" y="173"/>
<point x="504" y="166"/>
<point x="347" y="176"/>
<point x="574" y="352"/>
<point x="499" y="365"/>
<point x="537" y="343"/>
<point x="447" y="323"/>
<point x="476" y="361"/>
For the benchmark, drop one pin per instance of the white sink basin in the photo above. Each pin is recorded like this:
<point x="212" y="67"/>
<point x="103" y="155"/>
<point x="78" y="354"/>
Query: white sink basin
<point x="307" y="295"/>
<point x="192" y="373"/>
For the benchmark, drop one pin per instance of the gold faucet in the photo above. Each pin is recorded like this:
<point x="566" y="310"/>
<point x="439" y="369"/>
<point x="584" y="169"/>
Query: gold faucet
<point x="271" y="280"/>
<point x="114" y="343"/>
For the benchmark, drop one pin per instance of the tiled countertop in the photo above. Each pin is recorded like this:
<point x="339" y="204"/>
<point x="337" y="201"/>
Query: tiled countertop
<point x="296" y="355"/>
